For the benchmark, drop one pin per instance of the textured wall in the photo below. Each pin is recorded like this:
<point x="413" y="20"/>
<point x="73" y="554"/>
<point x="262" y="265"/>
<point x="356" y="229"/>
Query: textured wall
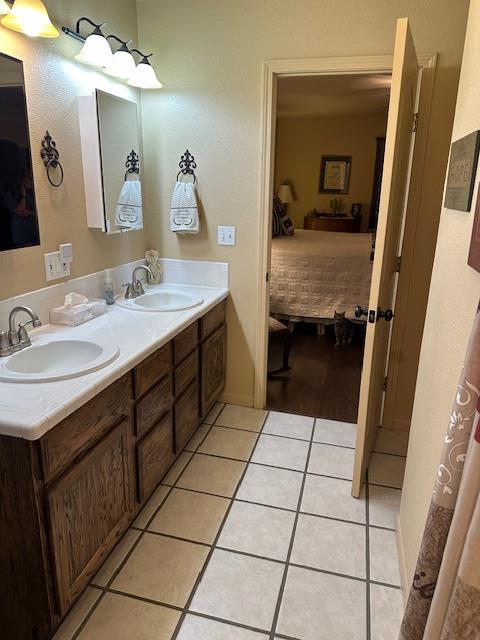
<point x="301" y="142"/>
<point x="209" y="56"/>
<point x="454" y="296"/>
<point x="53" y="81"/>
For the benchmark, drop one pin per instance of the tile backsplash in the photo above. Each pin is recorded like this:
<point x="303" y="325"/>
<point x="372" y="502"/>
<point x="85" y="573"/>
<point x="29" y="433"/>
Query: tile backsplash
<point x="192" y="272"/>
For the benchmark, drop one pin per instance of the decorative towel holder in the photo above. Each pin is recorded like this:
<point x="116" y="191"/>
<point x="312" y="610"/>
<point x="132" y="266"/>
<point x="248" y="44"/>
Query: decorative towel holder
<point x="187" y="166"/>
<point x="50" y="156"/>
<point x="132" y="163"/>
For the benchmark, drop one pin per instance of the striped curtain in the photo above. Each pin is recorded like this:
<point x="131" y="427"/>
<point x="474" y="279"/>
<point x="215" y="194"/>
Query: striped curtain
<point x="444" y="601"/>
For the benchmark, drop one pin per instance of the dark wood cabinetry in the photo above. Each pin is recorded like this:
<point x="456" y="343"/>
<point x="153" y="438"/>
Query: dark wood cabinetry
<point x="67" y="498"/>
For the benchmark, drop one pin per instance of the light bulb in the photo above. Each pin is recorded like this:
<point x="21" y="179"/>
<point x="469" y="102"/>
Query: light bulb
<point x="4" y="8"/>
<point x="31" y="18"/>
<point x="144" y="76"/>
<point x="96" y="50"/>
<point x="122" y="64"/>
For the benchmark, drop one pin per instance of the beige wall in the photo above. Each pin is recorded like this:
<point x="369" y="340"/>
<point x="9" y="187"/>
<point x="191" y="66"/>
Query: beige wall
<point x="53" y="81"/>
<point x="210" y="56"/>
<point x="454" y="296"/>
<point x="300" y="143"/>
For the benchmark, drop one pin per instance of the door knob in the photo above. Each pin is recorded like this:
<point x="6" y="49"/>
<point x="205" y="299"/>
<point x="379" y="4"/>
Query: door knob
<point x="387" y="314"/>
<point x="359" y="312"/>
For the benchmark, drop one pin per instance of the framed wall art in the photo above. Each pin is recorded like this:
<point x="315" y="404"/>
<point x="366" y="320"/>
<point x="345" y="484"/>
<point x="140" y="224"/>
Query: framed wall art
<point x="474" y="253"/>
<point x="462" y="169"/>
<point x="335" y="174"/>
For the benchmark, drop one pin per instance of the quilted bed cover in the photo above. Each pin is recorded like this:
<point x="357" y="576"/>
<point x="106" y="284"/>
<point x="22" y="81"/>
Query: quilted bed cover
<point x="315" y="273"/>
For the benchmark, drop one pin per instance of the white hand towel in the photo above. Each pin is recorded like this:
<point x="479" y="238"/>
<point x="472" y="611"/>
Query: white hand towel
<point x="128" y="212"/>
<point x="184" y="216"/>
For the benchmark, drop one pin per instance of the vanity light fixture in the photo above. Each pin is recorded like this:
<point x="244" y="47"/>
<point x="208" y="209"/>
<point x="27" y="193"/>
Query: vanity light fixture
<point x="122" y="65"/>
<point x="144" y="76"/>
<point x="31" y="18"/>
<point x="96" y="51"/>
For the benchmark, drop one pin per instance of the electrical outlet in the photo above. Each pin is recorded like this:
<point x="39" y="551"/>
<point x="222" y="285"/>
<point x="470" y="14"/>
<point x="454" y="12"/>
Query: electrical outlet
<point x="226" y="236"/>
<point x="54" y="268"/>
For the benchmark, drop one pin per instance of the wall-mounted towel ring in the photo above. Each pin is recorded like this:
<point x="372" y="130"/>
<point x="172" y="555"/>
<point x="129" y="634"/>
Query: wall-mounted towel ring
<point x="187" y="165"/>
<point x="50" y="156"/>
<point x="132" y="163"/>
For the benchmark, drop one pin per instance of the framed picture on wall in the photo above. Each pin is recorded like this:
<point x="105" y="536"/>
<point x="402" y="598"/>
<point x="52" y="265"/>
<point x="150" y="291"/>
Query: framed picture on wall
<point x="461" y="173"/>
<point x="335" y="174"/>
<point x="474" y="253"/>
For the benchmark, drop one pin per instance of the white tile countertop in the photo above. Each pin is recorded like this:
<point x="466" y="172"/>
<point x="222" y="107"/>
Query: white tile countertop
<point x="29" y="410"/>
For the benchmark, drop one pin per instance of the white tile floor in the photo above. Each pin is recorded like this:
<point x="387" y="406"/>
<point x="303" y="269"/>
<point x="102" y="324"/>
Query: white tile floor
<point x="254" y="535"/>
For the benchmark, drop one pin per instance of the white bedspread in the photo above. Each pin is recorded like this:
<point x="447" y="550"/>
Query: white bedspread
<point x="315" y="273"/>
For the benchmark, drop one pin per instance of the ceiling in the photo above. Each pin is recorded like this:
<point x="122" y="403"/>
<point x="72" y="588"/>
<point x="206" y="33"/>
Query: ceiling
<point x="300" y="96"/>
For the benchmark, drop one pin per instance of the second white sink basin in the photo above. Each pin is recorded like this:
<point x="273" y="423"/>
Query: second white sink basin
<point x="57" y="358"/>
<point x="162" y="299"/>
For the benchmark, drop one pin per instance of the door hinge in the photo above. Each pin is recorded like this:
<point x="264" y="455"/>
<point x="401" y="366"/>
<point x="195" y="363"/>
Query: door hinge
<point x="398" y="263"/>
<point x="415" y="121"/>
<point x="384" y="388"/>
<point x="267" y="277"/>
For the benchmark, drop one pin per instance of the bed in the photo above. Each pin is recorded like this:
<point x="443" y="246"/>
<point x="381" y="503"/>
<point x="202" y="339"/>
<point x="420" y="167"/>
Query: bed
<point x="315" y="273"/>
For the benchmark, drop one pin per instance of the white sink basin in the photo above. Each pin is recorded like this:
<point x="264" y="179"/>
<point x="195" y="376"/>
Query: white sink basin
<point x="162" y="300"/>
<point x="56" y="358"/>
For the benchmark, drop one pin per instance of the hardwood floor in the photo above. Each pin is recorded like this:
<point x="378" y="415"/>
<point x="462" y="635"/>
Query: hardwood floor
<point x="324" y="381"/>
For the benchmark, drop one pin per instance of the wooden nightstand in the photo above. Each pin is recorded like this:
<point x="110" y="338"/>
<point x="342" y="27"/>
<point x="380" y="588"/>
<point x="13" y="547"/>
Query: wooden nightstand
<point x="345" y="224"/>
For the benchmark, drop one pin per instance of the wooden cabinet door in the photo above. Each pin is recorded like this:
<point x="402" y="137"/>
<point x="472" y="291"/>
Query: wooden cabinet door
<point x="186" y="416"/>
<point x="213" y="369"/>
<point x="90" y="507"/>
<point x="155" y="455"/>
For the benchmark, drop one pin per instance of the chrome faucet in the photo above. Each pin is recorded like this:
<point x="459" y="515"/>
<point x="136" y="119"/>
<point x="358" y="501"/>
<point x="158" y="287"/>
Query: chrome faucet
<point x="135" y="288"/>
<point x="18" y="339"/>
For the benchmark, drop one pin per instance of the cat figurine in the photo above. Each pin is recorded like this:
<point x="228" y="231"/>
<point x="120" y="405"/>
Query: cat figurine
<point x="343" y="330"/>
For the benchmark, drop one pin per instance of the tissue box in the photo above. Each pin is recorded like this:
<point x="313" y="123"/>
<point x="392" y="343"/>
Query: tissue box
<point x="73" y="315"/>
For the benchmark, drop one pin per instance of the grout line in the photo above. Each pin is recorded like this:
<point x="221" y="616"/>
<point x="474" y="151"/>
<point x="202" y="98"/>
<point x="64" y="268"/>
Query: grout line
<point x="367" y="559"/>
<point x="217" y="537"/>
<point x="292" y="540"/>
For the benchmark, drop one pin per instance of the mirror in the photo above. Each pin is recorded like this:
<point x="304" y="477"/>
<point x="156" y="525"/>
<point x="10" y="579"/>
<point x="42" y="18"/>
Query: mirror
<point x="120" y="162"/>
<point x="18" y="211"/>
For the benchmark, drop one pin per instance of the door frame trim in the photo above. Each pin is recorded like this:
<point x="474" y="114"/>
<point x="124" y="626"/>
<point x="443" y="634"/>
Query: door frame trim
<point x="272" y="70"/>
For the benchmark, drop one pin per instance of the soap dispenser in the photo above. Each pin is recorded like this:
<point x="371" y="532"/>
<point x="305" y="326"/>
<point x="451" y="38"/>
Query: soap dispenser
<point x="108" y="287"/>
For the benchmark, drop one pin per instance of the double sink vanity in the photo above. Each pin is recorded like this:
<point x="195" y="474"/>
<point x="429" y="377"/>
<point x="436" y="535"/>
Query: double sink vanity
<point x="92" y="418"/>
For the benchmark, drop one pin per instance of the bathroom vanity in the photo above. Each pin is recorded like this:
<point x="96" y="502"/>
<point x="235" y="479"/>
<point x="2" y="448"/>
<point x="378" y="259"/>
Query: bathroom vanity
<point x="68" y="496"/>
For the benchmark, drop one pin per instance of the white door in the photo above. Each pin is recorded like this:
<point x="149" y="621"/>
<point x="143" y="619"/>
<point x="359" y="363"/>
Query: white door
<point x="392" y="200"/>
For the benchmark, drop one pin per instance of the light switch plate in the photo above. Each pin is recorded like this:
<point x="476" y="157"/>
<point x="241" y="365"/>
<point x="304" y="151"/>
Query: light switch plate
<point x="54" y="268"/>
<point x="226" y="236"/>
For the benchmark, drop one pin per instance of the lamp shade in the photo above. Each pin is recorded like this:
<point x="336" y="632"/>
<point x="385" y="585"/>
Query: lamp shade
<point x="145" y="77"/>
<point x="31" y="18"/>
<point x="96" y="50"/>
<point x="122" y="65"/>
<point x="285" y="194"/>
<point x="4" y="8"/>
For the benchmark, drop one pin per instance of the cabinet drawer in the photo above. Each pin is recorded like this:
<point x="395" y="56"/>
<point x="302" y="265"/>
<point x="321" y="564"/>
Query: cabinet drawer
<point x="85" y="426"/>
<point x="89" y="509"/>
<point x="212" y="320"/>
<point x="151" y="370"/>
<point x="151" y="407"/>
<point x="213" y="368"/>
<point x="186" y="372"/>
<point x="155" y="456"/>
<point x="185" y="342"/>
<point x="186" y="416"/>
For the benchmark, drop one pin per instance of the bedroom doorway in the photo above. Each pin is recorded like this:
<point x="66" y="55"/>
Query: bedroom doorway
<point x="413" y="81"/>
<point x="329" y="144"/>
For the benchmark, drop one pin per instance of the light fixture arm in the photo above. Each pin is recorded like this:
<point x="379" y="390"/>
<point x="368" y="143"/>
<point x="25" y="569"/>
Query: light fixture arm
<point x="77" y="35"/>
<point x="124" y="43"/>
<point x="145" y="57"/>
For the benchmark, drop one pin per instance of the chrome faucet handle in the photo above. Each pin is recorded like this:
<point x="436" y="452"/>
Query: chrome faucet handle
<point x="14" y="341"/>
<point x="22" y="333"/>
<point x="138" y="286"/>
<point x="5" y="346"/>
<point x="130" y="292"/>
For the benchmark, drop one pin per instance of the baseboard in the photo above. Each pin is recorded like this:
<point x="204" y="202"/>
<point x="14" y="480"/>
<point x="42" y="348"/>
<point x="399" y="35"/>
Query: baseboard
<point x="237" y="398"/>
<point x="404" y="582"/>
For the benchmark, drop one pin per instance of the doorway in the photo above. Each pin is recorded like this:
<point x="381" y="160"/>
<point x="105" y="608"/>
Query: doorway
<point x="329" y="144"/>
<point x="399" y="205"/>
